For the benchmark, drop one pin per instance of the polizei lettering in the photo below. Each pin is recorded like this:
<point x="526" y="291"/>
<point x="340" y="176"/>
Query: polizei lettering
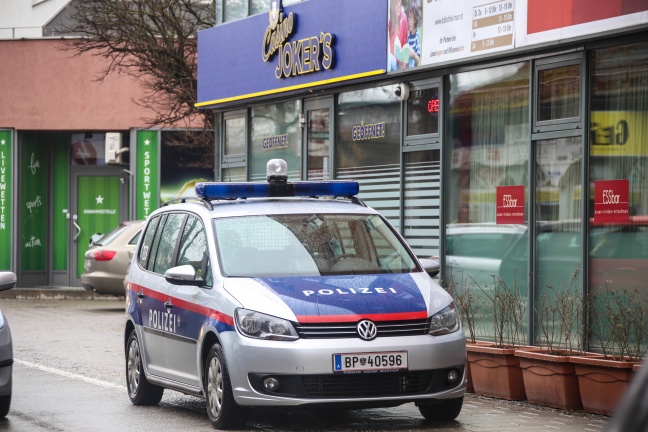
<point x="347" y="291"/>
<point x="164" y="321"/>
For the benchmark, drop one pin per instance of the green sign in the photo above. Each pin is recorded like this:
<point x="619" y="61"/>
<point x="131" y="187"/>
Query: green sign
<point x="33" y="205"/>
<point x="98" y="207"/>
<point x="147" y="173"/>
<point x="6" y="207"/>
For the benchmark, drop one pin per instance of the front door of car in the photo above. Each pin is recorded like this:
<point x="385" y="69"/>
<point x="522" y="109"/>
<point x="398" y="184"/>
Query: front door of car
<point x="99" y="202"/>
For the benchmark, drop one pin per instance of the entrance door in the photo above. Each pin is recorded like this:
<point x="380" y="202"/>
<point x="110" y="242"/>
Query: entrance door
<point x="99" y="202"/>
<point x="318" y="134"/>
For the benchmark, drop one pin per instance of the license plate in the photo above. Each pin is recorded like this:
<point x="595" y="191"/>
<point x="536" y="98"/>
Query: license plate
<point x="370" y="362"/>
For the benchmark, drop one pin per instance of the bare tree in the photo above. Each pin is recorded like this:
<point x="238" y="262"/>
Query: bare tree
<point x="154" y="41"/>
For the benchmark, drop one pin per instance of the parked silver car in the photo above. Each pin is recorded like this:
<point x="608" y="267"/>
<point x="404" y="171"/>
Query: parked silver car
<point x="7" y="281"/>
<point x="106" y="262"/>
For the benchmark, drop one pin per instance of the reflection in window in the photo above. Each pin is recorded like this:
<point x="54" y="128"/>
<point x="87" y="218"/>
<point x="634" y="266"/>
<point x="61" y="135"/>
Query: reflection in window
<point x="487" y="144"/>
<point x="318" y="143"/>
<point x="234" y="10"/>
<point x="368" y="146"/>
<point x="235" y="136"/>
<point x="166" y="246"/>
<point x="275" y="135"/>
<point x="193" y="247"/>
<point x="559" y="93"/>
<point x="619" y="150"/>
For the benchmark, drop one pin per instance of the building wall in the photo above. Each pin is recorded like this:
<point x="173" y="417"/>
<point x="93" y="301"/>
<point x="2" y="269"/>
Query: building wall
<point x="43" y="87"/>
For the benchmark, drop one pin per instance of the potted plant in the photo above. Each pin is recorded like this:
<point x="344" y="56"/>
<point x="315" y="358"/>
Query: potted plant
<point x="619" y="330"/>
<point x="549" y="375"/>
<point x="494" y="369"/>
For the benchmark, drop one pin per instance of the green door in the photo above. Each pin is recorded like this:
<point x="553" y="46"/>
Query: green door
<point x="99" y="204"/>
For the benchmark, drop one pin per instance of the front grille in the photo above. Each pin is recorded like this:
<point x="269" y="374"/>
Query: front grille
<point x="364" y="385"/>
<point x="367" y="385"/>
<point x="348" y="330"/>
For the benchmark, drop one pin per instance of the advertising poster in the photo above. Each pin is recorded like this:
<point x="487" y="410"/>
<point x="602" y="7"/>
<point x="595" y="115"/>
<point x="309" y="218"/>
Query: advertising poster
<point x="510" y="205"/>
<point x="148" y="165"/>
<point x="405" y="32"/>
<point x="182" y="167"/>
<point x="6" y="196"/>
<point x="551" y="20"/>
<point x="454" y="30"/>
<point x="88" y="149"/>
<point x="611" y="201"/>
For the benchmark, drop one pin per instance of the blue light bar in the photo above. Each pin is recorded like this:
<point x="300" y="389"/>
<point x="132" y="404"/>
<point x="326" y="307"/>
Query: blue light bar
<point x="219" y="190"/>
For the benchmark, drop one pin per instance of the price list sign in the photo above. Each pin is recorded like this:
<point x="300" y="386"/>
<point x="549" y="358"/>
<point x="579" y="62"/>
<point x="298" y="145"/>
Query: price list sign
<point x="492" y="26"/>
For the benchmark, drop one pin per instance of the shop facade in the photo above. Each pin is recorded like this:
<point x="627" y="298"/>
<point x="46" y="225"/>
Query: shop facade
<point x="512" y="146"/>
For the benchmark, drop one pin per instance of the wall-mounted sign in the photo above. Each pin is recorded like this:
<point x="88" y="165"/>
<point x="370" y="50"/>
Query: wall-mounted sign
<point x="6" y="195"/>
<point x="314" y="43"/>
<point x="611" y="201"/>
<point x="147" y="173"/>
<point x="510" y="205"/>
<point x="310" y="54"/>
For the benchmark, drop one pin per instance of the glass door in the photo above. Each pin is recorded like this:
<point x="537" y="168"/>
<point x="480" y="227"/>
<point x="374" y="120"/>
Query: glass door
<point x="318" y="133"/>
<point x="99" y="203"/>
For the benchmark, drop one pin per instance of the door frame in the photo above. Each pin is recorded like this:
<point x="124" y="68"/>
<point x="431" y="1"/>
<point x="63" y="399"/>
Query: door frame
<point x="75" y="173"/>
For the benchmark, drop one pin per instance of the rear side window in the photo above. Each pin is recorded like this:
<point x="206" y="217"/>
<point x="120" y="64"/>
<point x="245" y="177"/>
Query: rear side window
<point x="145" y="250"/>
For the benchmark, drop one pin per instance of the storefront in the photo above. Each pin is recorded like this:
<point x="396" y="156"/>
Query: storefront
<point x="512" y="145"/>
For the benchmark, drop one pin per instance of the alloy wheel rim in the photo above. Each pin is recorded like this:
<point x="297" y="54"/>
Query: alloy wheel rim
<point x="133" y="367"/>
<point x="215" y="386"/>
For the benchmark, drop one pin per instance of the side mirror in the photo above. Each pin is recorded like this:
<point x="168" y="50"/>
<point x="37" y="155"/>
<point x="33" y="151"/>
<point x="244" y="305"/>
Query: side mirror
<point x="7" y="280"/>
<point x="431" y="267"/>
<point x="183" y="275"/>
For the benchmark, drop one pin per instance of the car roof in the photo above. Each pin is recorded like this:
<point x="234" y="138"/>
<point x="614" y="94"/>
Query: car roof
<point x="266" y="206"/>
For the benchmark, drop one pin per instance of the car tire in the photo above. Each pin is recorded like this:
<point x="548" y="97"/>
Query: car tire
<point x="443" y="410"/>
<point x="140" y="390"/>
<point x="222" y="409"/>
<point x="5" y="403"/>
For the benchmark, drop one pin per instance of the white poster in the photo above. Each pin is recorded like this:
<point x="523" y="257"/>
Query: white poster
<point x="458" y="29"/>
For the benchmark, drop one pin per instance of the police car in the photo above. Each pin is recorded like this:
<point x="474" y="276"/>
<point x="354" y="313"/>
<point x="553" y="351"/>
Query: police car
<point x="287" y="294"/>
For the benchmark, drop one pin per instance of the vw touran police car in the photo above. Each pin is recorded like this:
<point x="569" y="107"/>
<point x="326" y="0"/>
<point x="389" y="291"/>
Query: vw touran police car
<point x="287" y="294"/>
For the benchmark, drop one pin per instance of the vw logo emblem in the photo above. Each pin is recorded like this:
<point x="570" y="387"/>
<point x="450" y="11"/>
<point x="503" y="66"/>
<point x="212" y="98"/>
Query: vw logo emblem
<point x="367" y="330"/>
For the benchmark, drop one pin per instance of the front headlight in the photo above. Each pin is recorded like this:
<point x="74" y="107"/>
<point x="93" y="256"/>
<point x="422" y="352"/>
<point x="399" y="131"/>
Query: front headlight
<point x="444" y="322"/>
<point x="261" y="326"/>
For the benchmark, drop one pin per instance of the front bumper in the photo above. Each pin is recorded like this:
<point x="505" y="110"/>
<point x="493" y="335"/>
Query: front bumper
<point x="304" y="369"/>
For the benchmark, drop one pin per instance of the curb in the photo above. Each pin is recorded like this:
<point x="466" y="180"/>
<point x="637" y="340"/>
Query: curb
<point x="54" y="293"/>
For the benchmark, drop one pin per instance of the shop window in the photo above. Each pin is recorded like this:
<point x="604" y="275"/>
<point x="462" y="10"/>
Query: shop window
<point x="559" y="94"/>
<point x="275" y="134"/>
<point x="486" y="148"/>
<point x="234" y="10"/>
<point x="368" y="147"/>
<point x="234" y="146"/>
<point x="618" y="143"/>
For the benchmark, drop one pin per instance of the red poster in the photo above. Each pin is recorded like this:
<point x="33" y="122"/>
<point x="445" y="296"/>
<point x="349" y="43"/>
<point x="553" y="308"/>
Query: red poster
<point x="510" y="205"/>
<point x="611" y="201"/>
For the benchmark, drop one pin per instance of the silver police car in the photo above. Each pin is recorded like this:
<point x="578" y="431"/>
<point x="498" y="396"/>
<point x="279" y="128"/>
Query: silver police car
<point x="287" y="294"/>
<point x="7" y="281"/>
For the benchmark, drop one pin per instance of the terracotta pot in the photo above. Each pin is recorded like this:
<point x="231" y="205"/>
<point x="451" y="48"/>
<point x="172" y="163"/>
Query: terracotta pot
<point x="602" y="382"/>
<point x="549" y="380"/>
<point x="495" y="372"/>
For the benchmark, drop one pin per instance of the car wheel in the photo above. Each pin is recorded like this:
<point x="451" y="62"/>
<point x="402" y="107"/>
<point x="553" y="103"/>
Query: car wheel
<point x="140" y="391"/>
<point x="443" y="410"/>
<point x="5" y="402"/>
<point x="222" y="410"/>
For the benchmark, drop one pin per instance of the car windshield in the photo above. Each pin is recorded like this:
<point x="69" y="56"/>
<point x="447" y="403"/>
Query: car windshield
<point x="309" y="245"/>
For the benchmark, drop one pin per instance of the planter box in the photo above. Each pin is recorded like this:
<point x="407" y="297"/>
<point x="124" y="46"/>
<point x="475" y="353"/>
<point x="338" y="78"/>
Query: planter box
<point x="549" y="380"/>
<point x="602" y="382"/>
<point x="495" y="372"/>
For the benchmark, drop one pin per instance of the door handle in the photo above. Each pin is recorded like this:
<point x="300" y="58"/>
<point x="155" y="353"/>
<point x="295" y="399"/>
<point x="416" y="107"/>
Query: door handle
<point x="74" y="219"/>
<point x="140" y="294"/>
<point x="168" y="304"/>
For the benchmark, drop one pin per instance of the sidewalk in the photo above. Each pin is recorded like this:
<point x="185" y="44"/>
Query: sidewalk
<point x="53" y="293"/>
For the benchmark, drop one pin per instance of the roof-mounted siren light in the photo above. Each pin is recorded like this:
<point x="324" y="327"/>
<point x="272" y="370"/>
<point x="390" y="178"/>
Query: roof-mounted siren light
<point x="277" y="171"/>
